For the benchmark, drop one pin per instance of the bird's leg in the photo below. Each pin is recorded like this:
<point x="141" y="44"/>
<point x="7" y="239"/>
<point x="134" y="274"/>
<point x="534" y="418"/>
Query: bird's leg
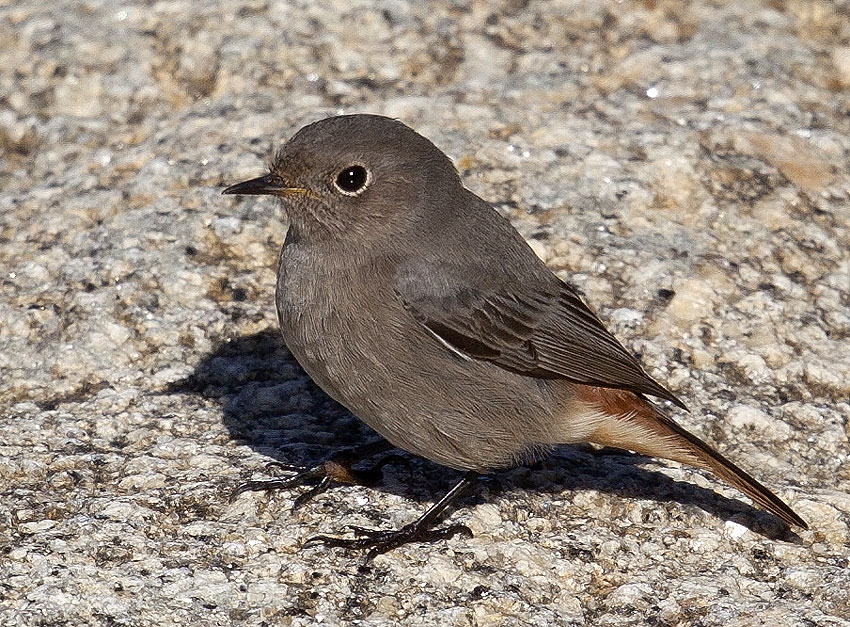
<point x="420" y="530"/>
<point x="338" y="467"/>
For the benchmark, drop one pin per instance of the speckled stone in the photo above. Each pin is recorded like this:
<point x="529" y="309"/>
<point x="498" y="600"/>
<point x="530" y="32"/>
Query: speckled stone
<point x="684" y="164"/>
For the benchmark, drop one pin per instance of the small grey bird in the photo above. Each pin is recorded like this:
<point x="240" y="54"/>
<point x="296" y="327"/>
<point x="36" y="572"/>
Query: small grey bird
<point x="416" y="305"/>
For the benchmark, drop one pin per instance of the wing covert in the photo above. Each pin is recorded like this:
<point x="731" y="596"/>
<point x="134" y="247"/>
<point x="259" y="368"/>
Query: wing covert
<point x="544" y="330"/>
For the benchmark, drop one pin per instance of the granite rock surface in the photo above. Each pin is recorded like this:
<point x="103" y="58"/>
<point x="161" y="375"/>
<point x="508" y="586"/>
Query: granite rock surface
<point x="684" y="164"/>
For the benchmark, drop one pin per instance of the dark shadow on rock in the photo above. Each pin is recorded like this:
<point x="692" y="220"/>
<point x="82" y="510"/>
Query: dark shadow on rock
<point x="270" y="404"/>
<point x="613" y="471"/>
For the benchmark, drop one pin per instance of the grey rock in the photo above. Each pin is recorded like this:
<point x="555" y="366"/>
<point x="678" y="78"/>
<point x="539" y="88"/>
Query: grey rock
<point x="684" y="164"/>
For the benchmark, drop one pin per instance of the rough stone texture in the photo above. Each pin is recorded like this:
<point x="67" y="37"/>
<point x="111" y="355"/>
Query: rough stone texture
<point x="684" y="164"/>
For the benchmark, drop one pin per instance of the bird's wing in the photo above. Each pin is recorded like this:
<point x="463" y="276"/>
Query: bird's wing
<point x="541" y="330"/>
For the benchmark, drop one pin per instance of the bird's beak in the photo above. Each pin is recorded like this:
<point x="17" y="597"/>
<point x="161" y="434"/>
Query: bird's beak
<point x="270" y="184"/>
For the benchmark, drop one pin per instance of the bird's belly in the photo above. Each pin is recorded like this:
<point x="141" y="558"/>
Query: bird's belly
<point x="416" y="393"/>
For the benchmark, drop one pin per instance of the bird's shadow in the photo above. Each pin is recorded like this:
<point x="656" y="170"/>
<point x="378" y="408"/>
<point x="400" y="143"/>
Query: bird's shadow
<point x="270" y="404"/>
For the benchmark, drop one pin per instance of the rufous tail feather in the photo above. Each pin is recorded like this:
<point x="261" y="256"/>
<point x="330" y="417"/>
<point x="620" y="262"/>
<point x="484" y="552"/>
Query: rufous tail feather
<point x="634" y="423"/>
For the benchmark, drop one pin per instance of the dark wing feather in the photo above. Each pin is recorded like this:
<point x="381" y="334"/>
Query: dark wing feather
<point x="545" y="331"/>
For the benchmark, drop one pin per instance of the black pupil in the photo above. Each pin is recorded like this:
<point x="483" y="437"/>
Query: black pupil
<point x="352" y="179"/>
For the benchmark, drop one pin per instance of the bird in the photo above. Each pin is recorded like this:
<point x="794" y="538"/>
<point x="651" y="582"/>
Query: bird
<point x="419" y="307"/>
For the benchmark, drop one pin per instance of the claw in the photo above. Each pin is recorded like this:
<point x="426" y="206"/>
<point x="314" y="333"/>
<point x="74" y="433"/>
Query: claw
<point x="268" y="485"/>
<point x="258" y="486"/>
<point x="282" y="466"/>
<point x="364" y="532"/>
<point x="317" y="489"/>
<point x="319" y="539"/>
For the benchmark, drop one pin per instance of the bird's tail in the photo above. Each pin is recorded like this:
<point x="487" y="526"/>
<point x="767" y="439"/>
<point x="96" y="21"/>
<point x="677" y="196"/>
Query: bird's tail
<point x="630" y="422"/>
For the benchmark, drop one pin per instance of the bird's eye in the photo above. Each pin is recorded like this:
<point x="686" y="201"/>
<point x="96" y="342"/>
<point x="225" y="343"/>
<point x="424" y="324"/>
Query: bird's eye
<point x="352" y="180"/>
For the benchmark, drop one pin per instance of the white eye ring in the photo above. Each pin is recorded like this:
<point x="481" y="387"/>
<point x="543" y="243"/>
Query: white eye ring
<point x="353" y="180"/>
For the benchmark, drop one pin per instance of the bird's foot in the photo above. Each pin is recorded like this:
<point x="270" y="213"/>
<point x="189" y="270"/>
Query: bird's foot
<point x="420" y="530"/>
<point x="380" y="541"/>
<point x="338" y="468"/>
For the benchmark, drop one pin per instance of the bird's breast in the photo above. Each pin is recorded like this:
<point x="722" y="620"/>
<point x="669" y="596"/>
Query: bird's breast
<point x="335" y="315"/>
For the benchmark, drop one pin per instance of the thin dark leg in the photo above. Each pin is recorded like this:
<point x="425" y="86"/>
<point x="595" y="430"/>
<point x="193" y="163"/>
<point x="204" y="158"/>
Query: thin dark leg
<point x="418" y="531"/>
<point x="336" y="468"/>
